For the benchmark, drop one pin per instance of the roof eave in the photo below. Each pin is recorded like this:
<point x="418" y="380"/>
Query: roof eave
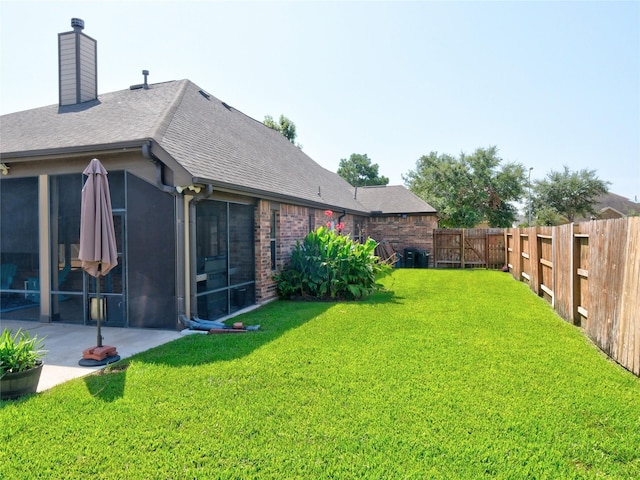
<point x="275" y="197"/>
<point x="383" y="213"/>
<point x="75" y="150"/>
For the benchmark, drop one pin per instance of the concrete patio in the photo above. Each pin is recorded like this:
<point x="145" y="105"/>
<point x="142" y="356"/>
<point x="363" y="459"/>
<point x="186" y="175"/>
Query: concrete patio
<point x="64" y="344"/>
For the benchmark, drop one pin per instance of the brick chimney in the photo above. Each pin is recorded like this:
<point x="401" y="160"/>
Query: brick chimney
<point x="78" y="66"/>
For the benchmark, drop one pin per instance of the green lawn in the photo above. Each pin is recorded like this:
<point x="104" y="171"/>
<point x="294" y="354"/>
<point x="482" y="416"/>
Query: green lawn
<point x="449" y="374"/>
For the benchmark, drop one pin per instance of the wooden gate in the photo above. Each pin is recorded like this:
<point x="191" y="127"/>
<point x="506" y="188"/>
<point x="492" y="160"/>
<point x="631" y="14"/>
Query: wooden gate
<point x="469" y="248"/>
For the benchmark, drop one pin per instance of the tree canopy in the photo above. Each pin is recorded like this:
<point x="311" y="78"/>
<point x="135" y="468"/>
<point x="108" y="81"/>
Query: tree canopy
<point x="359" y="171"/>
<point x="570" y="194"/>
<point x="285" y="126"/>
<point x="468" y="189"/>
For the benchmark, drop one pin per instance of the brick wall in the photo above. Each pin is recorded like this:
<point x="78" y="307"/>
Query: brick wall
<point x="292" y="225"/>
<point x="265" y="287"/>
<point x="295" y="222"/>
<point x="403" y="231"/>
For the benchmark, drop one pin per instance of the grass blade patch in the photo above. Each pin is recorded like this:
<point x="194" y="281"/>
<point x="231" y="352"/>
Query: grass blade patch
<point x="447" y="374"/>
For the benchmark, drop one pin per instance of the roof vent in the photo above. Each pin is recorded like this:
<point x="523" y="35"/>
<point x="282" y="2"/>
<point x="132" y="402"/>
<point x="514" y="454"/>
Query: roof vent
<point x="144" y="85"/>
<point x="205" y="94"/>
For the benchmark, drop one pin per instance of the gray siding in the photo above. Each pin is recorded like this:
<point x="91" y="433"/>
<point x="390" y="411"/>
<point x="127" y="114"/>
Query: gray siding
<point x="68" y="74"/>
<point x="73" y="77"/>
<point x="88" y="79"/>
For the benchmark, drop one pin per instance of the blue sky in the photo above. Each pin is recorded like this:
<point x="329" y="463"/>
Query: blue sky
<point x="548" y="83"/>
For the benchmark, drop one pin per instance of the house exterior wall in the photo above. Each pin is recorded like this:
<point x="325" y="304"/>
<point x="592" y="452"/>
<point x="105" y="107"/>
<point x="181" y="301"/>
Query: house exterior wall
<point x="402" y="231"/>
<point x="609" y="213"/>
<point x="265" y="286"/>
<point x="294" y="226"/>
<point x="294" y="222"/>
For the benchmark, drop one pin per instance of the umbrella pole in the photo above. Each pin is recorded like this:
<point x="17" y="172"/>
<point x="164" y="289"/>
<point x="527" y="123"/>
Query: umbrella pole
<point x="98" y="355"/>
<point x="99" y="304"/>
<point x="97" y="245"/>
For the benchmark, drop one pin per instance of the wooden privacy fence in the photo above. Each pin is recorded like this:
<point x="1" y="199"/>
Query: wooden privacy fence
<point x="590" y="273"/>
<point x="469" y="248"/>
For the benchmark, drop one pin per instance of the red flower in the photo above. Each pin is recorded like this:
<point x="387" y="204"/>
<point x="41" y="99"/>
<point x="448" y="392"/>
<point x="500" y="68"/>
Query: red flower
<point x="328" y="224"/>
<point x="340" y="226"/>
<point x="328" y="213"/>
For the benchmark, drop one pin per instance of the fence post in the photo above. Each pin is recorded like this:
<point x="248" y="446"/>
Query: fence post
<point x="486" y="251"/>
<point x="574" y="289"/>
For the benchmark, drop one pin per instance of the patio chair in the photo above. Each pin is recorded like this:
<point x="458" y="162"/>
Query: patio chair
<point x="7" y="272"/>
<point x="33" y="284"/>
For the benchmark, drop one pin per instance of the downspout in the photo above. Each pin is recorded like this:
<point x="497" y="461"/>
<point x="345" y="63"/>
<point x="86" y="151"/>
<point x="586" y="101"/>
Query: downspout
<point x="344" y="213"/>
<point x="147" y="153"/>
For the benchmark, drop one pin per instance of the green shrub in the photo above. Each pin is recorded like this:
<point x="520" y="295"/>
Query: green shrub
<point x="327" y="265"/>
<point x="19" y="352"/>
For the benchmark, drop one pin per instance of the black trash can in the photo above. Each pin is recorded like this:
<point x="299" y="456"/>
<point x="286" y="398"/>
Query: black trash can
<point x="409" y="257"/>
<point x="422" y="259"/>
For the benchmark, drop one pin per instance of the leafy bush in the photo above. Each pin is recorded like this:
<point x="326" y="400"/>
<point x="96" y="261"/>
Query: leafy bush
<point x="19" y="352"/>
<point x="327" y="265"/>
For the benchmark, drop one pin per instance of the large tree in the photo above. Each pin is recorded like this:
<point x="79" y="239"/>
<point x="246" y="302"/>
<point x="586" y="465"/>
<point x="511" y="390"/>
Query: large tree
<point x="285" y="126"/>
<point x="570" y="194"/>
<point x="359" y="171"/>
<point x="469" y="189"/>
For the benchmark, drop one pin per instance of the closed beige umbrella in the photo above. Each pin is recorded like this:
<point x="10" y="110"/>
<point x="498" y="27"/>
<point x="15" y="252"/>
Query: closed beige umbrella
<point x="98" y="251"/>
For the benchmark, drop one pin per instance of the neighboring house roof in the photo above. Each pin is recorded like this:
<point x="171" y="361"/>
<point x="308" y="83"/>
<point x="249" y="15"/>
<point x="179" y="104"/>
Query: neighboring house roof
<point x="612" y="205"/>
<point x="619" y="203"/>
<point x="211" y="140"/>
<point x="390" y="199"/>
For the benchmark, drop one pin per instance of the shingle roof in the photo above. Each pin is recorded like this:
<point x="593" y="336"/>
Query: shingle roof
<point x="388" y="199"/>
<point x="621" y="205"/>
<point x="218" y="143"/>
<point x="116" y="117"/>
<point x="618" y="202"/>
<point x="212" y="141"/>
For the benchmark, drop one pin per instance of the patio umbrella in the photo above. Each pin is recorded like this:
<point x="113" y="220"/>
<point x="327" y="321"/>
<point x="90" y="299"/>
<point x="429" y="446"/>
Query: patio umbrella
<point x="98" y="251"/>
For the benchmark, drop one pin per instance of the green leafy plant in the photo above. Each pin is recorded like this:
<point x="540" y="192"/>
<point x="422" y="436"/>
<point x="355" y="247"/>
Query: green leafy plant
<point x="328" y="265"/>
<point x="19" y="351"/>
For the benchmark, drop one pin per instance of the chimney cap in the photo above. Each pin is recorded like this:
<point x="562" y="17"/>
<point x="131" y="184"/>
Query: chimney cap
<point x="77" y="24"/>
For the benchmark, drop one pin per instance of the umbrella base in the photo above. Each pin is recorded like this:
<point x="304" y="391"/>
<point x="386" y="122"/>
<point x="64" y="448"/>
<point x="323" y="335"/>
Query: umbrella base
<point x="89" y="362"/>
<point x="99" y="353"/>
